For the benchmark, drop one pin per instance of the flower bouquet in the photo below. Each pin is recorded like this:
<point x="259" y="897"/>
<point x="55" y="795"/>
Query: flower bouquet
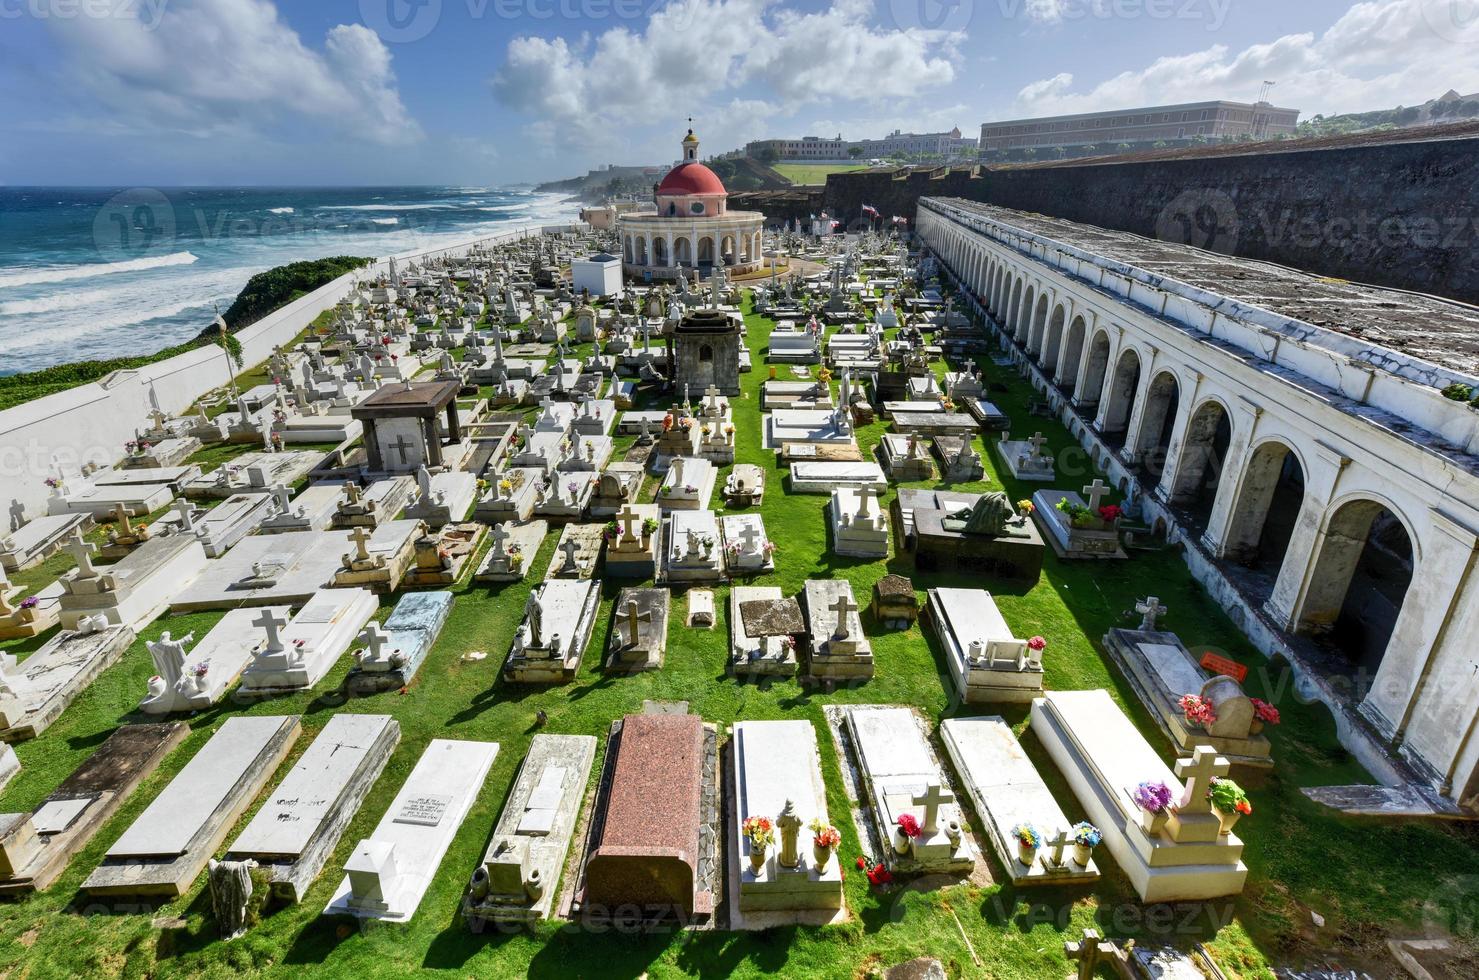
<point x="1086" y="837"/>
<point x="1154" y="801"/>
<point x="1198" y="710"/>
<point x="1028" y="839"/>
<point x="1229" y="802"/>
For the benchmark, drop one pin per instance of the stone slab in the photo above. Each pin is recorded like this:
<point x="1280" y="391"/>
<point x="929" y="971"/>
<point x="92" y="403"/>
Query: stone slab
<point x="224" y="652"/>
<point x="50" y="679"/>
<point x="312" y="642"/>
<point x="569" y="609"/>
<point x="138" y="589"/>
<point x="523" y="539"/>
<point x="767" y="656"/>
<point x="1002" y="669"/>
<point x="651" y="641"/>
<point x="411" y="631"/>
<point x="824" y="477"/>
<point x="833" y="657"/>
<point x="38" y="539"/>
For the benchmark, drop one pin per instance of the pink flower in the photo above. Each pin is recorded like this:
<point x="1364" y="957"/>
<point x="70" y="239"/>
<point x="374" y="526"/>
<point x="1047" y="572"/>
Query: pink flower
<point x="1037" y="644"/>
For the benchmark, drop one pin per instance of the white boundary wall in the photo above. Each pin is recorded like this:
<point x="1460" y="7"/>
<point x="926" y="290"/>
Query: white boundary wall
<point x="90" y="423"/>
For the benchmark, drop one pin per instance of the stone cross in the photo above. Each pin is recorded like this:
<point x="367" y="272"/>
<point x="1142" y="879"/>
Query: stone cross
<point x="749" y="539"/>
<point x="83" y="552"/>
<point x="865" y="494"/>
<point x="283" y="495"/>
<point x="1150" y="609"/>
<point x="120" y="514"/>
<point x="629" y="520"/>
<point x="570" y="549"/>
<point x="1037" y="440"/>
<point x="352" y="492"/>
<point x="634" y="614"/>
<point x="1086" y="953"/>
<point x="933" y="796"/>
<point x="1095" y="492"/>
<point x="499" y="536"/>
<point x="843" y="607"/>
<point x="272" y="622"/>
<point x="361" y="537"/>
<point x="1199" y="771"/>
<point x="1056" y="847"/>
<point x="711" y="396"/>
<point x="374" y="637"/>
<point x="403" y="446"/>
<point x="186" y="513"/>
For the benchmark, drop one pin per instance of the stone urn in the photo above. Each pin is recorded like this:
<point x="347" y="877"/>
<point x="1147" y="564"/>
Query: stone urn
<point x="821" y="855"/>
<point x="903" y="843"/>
<point x="1082" y="855"/>
<point x="1228" y="820"/>
<point x="1026" y="853"/>
<point x="1154" y="823"/>
<point x="758" y="854"/>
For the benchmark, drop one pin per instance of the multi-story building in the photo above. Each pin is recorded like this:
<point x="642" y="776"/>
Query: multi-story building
<point x="947" y="146"/>
<point x="1170" y="124"/>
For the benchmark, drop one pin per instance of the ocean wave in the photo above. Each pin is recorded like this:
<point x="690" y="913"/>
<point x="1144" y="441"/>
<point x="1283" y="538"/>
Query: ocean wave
<point x="385" y="221"/>
<point x="387" y="207"/>
<point x="280" y="210"/>
<point x="57" y="302"/>
<point x="67" y="273"/>
<point x="507" y="207"/>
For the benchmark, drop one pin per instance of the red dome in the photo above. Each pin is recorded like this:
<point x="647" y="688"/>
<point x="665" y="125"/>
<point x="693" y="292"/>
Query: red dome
<point x="691" y="178"/>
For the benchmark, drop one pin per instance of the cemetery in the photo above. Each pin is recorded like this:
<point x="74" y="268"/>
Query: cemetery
<point x="808" y="667"/>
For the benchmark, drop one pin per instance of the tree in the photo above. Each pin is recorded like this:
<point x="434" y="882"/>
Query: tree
<point x="768" y="155"/>
<point x="854" y="151"/>
<point x="1030" y="153"/>
<point x="1122" y="147"/>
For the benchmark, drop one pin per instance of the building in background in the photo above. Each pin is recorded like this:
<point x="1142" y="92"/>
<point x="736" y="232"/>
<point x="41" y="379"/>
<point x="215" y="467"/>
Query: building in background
<point x="1139" y="129"/>
<point x="946" y="146"/>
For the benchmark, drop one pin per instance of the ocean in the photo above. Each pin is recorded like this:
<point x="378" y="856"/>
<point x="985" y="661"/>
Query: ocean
<point x="92" y="273"/>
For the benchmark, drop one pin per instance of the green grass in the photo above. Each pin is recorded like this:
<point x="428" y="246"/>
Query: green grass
<point x="815" y="173"/>
<point x="1365" y="877"/>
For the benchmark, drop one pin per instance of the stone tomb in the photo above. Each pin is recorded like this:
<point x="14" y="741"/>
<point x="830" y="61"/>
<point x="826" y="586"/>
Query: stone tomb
<point x="747" y="551"/>
<point x="172" y="477"/>
<point x="549" y="644"/>
<point x="83" y="497"/>
<point x="859" y="523"/>
<point x="21" y="619"/>
<point x="824" y="477"/>
<point x="989" y="664"/>
<point x="299" y="653"/>
<point x="165" y="849"/>
<point x="905" y="458"/>
<point x="288" y="569"/>
<point x="619" y="485"/>
<point x="656" y="865"/>
<point x="296" y="830"/>
<point x="901" y="775"/>
<point x="35" y="847"/>
<point x="36" y="540"/>
<point x="35" y="693"/>
<point x="959" y="461"/>
<point x="443" y="499"/>
<point x="745" y="486"/>
<point x="639" y="630"/>
<point x="401" y="427"/>
<point x="136" y="590"/>
<point x="198" y="679"/>
<point x="985" y="534"/>
<point x="313" y="509"/>
<point x="393" y="653"/>
<point x="775" y="772"/>
<point x="443" y="554"/>
<point x="510" y="497"/>
<point x="759" y="655"/>
<point x="231" y="520"/>
<point x="389" y="872"/>
<point x="255" y="472"/>
<point x="1161" y="670"/>
<point x="807" y="425"/>
<point x="372" y="506"/>
<point x="691" y="552"/>
<point x="379" y="560"/>
<point x="688" y="485"/>
<point x="1025" y="459"/>
<point x="578" y="553"/>
<point x="520" y="872"/>
<point x="1090" y="538"/>
<point x="512" y="551"/>
<point x="839" y="648"/>
<point x="1006" y="790"/>
<point x="563" y="497"/>
<point x="164" y="453"/>
<point x="1103" y="757"/>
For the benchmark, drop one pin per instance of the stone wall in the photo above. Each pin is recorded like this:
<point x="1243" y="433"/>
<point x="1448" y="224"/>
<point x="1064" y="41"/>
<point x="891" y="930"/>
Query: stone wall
<point x="1401" y="214"/>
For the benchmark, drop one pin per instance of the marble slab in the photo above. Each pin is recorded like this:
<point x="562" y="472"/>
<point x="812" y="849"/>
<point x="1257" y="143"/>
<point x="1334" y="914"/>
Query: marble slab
<point x="41" y="687"/>
<point x="313" y="509"/>
<point x="231" y="520"/>
<point x="311" y="643"/>
<point x="987" y="662"/>
<point x="519" y="549"/>
<point x="824" y="477"/>
<point x="767" y="655"/>
<point x="212" y="665"/>
<point x="38" y="539"/>
<point x="833" y="655"/>
<point x="99" y="502"/>
<point x="747" y="549"/>
<point x="410" y="631"/>
<point x="552" y="654"/>
<point x="686" y="557"/>
<point x="173" y="477"/>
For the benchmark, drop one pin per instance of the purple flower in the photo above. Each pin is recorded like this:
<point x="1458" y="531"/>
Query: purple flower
<point x="1153" y="797"/>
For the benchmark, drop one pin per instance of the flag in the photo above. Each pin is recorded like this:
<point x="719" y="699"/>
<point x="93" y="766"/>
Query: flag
<point x="870" y="210"/>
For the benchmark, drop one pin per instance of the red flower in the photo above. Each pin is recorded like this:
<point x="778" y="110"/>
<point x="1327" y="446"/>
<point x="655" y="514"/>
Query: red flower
<point x="879" y="876"/>
<point x="1037" y="643"/>
<point x="862" y="863"/>
<point x="909" y="825"/>
<point x="1244" y="807"/>
<point x="1110" y="513"/>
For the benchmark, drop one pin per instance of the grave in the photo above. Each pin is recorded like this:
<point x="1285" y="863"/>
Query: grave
<point x="549" y="644"/>
<point x="1007" y="791"/>
<point x="172" y="477"/>
<point x="381" y="501"/>
<point x="34" y="541"/>
<point x="36" y="847"/>
<point x="231" y="520"/>
<point x="197" y="679"/>
<point x="807" y="425"/>
<point x="989" y="664"/>
<point x="564" y="496"/>
<point x="578" y="553"/>
<point x="401" y="427"/>
<point x="770" y="650"/>
<point x="441" y="556"/>
<point x="639" y="630"/>
<point x="135" y="591"/>
<point x="588" y="454"/>
<point x="1025" y="459"/>
<point x="165" y="849"/>
<point x="691" y="551"/>
<point x="978" y="532"/>
<point x="794" y="394"/>
<point x="442" y="499"/>
<point x="839" y="648"/>
<point x="793" y="347"/>
<point x="959" y="461"/>
<point x="900" y="775"/>
<point x="679" y="436"/>
<point x="1078" y="531"/>
<point x="1184" y="857"/>
<point x="31" y="615"/>
<point x="858" y="522"/>
<point x="313" y="509"/>
<point x="668" y="865"/>
<point x="34" y="693"/>
<point x="381" y="559"/>
<point x="824" y="477"/>
<point x="512" y="551"/>
<point x="905" y="458"/>
<point x="171" y="451"/>
<point x="393" y="653"/>
<point x="10" y="764"/>
<point x="299" y="653"/>
<point x="688" y="485"/>
<point x="745" y="486"/>
<point x="295" y="832"/>
<point x="518" y="878"/>
<point x="895" y="603"/>
<point x="83" y="497"/>
<point x="775" y="772"/>
<point x="510" y="497"/>
<point x="595" y="417"/>
<point x="255" y="472"/>
<point x="934" y="422"/>
<point x="747" y="551"/>
<point x="1162" y="671"/>
<point x="700" y="609"/>
<point x="619" y="485"/>
<point x="991" y="418"/>
<point x="389" y="872"/>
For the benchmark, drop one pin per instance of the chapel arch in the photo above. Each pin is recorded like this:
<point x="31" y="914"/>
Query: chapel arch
<point x="1267" y="509"/>
<point x="1120" y="398"/>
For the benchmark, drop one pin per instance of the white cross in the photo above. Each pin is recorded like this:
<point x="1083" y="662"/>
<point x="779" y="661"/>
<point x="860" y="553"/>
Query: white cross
<point x="1095" y="492"/>
<point x="629" y="519"/>
<point x="1055" y="848"/>
<point x="361" y="538"/>
<point x="1199" y="771"/>
<point x="1150" y="609"/>
<point x="843" y="607"/>
<point x="1037" y="440"/>
<point x="282" y="495"/>
<point x="186" y="512"/>
<point x="865" y="494"/>
<point x="352" y="491"/>
<point x="499" y="537"/>
<point x="933" y="796"/>
<point x="374" y="638"/>
<point x="83" y="552"/>
<point x="750" y="539"/>
<point x="271" y="621"/>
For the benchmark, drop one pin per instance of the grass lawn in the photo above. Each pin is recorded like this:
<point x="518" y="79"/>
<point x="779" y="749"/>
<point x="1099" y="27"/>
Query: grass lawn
<point x="814" y="173"/>
<point x="1365" y="877"/>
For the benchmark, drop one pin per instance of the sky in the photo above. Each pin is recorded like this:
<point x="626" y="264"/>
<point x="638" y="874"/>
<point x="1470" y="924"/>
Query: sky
<point x="474" y="92"/>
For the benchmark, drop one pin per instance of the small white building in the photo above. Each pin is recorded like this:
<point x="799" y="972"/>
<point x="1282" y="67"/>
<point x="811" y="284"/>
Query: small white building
<point x="601" y="274"/>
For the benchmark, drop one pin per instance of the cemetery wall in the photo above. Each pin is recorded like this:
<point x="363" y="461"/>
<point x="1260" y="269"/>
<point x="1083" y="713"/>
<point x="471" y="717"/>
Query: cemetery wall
<point x="90" y="423"/>
<point x="1398" y="214"/>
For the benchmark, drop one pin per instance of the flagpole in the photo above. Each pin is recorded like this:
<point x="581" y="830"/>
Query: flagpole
<point x="230" y="366"/>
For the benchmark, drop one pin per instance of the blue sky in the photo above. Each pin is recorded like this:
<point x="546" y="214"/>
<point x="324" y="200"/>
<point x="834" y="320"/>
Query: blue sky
<point x="170" y="92"/>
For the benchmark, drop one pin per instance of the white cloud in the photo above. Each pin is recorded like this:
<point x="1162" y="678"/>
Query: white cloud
<point x="720" y="60"/>
<point x="1378" y="54"/>
<point x="211" y="67"/>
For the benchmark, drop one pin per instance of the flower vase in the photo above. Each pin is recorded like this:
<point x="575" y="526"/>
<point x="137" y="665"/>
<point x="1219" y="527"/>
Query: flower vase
<point x="1256" y="728"/>
<point x="903" y="843"/>
<point x="1026" y="853"/>
<point x="1082" y="854"/>
<point x="822" y="855"/>
<point x="1228" y="820"/>
<point x="1154" y="823"/>
<point x="757" y="858"/>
